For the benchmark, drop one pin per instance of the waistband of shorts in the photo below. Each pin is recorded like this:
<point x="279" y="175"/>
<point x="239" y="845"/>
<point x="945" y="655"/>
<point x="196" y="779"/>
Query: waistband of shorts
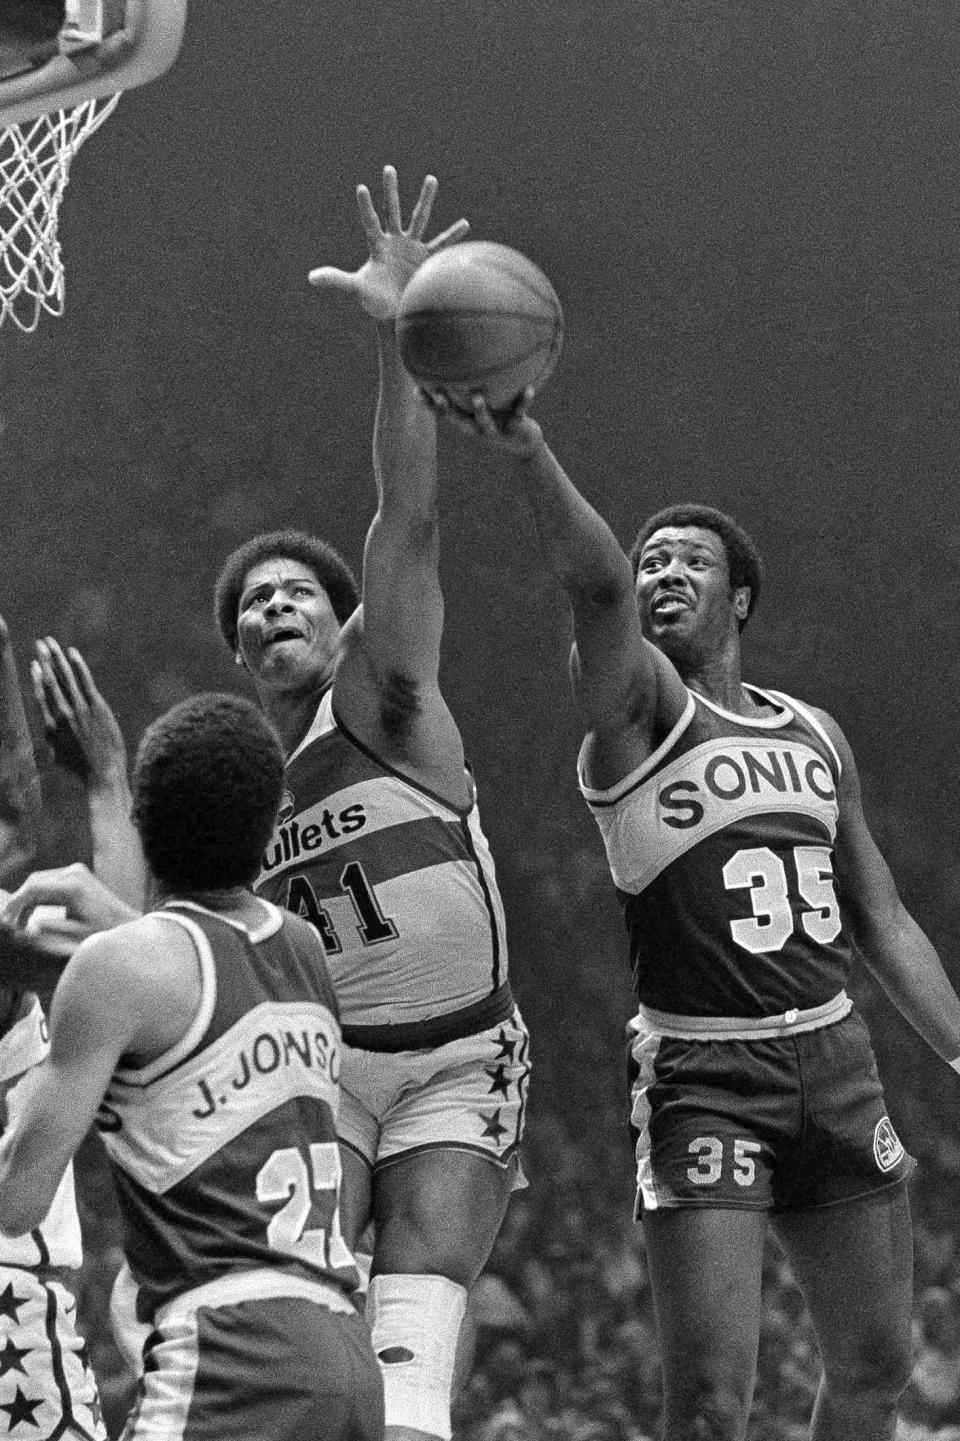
<point x="424" y="1035"/>
<point x="742" y="1028"/>
<point x="255" y="1285"/>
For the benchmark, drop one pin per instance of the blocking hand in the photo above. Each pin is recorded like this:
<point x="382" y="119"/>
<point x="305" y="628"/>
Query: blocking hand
<point x="395" y="252"/>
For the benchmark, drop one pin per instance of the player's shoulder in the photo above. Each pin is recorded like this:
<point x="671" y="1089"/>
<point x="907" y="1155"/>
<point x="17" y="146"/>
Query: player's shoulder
<point x="133" y="955"/>
<point x="824" y="723"/>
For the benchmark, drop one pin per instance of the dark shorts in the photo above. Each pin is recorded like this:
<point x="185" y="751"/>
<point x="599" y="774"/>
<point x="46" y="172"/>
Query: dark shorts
<point x="787" y="1123"/>
<point x="280" y="1369"/>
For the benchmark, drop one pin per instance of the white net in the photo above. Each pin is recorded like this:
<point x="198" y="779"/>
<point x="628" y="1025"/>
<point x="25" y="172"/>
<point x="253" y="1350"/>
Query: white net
<point x="35" y="160"/>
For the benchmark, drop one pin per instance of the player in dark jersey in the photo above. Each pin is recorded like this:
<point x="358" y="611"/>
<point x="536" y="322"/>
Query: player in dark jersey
<point x="379" y="845"/>
<point x="204" y="1036"/>
<point x="733" y="824"/>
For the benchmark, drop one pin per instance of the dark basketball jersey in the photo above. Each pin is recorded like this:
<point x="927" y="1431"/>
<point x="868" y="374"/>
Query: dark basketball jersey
<point x="224" y="1149"/>
<point x="721" y="848"/>
<point x="401" y="888"/>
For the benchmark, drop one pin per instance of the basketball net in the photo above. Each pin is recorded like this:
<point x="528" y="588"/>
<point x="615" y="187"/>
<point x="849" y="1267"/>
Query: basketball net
<point x="35" y="159"/>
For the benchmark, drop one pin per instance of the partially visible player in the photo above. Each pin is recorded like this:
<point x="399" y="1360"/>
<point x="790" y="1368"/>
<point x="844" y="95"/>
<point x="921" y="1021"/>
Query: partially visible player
<point x="205" y="1035"/>
<point x="46" y="1386"/>
<point x="728" y="812"/>
<point x="380" y="847"/>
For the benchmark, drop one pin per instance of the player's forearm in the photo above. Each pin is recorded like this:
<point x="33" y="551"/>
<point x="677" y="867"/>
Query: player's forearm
<point x="907" y="967"/>
<point x="117" y="856"/>
<point x="578" y="545"/>
<point x="404" y="436"/>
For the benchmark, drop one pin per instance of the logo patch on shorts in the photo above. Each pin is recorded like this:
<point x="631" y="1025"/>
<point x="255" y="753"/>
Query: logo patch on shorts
<point x="887" y="1148"/>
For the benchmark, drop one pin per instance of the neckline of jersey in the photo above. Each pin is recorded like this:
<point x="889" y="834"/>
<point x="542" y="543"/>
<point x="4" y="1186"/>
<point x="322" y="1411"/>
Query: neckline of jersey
<point x="269" y="927"/>
<point x="783" y="717"/>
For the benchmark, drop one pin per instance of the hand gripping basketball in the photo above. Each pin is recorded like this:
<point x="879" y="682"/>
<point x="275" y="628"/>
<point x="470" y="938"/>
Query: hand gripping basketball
<point x="481" y="317"/>
<point x="395" y="253"/>
<point x="511" y="427"/>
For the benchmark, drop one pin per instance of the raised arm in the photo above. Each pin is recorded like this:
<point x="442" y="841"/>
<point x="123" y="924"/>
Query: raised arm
<point x="887" y="938"/>
<point x="626" y="690"/>
<point x="19" y="782"/>
<point x="85" y="738"/>
<point x="389" y="680"/>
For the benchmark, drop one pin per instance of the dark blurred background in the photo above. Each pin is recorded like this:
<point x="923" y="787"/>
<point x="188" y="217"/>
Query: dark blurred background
<point x="750" y="213"/>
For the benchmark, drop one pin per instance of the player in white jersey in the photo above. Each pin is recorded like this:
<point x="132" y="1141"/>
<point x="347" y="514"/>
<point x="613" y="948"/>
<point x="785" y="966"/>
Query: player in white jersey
<point x="727" y="812"/>
<point x="47" y="1388"/>
<point x="205" y="1035"/>
<point x="380" y="847"/>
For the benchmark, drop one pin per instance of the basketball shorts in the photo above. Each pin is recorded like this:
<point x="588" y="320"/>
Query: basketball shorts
<point x="47" y="1388"/>
<point x="790" y="1120"/>
<point x="467" y="1095"/>
<point x="224" y="1363"/>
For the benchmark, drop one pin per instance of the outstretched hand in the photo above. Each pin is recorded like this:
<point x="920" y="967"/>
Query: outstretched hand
<point x="79" y="725"/>
<point x="510" y="428"/>
<point x="395" y="252"/>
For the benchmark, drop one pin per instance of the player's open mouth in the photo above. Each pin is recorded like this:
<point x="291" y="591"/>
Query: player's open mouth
<point x="276" y="636"/>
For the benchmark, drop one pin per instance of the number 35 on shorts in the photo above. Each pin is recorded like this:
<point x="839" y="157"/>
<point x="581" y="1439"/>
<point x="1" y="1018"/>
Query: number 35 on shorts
<point x="712" y="1155"/>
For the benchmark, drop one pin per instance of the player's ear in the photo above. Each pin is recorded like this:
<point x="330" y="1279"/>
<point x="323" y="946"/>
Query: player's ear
<point x="741" y="602"/>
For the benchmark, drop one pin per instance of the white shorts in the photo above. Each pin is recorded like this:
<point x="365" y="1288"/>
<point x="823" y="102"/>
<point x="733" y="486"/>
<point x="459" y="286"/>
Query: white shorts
<point x="468" y="1095"/>
<point x="46" y="1385"/>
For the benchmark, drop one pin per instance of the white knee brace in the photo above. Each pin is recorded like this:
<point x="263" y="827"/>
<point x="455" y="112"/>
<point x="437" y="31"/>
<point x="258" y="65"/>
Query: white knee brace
<point x="414" y="1324"/>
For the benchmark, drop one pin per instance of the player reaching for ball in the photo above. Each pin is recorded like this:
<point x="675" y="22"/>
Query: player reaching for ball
<point x="728" y="813"/>
<point x="380" y="846"/>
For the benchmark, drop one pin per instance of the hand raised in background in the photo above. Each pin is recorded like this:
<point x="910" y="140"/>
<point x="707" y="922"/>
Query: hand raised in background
<point x="80" y="727"/>
<point x="395" y="252"/>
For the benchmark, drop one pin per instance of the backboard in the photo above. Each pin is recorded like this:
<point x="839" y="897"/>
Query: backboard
<point x="56" y="54"/>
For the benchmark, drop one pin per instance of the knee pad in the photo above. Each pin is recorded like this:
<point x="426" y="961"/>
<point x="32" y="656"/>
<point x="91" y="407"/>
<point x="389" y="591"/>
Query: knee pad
<point x="414" y="1323"/>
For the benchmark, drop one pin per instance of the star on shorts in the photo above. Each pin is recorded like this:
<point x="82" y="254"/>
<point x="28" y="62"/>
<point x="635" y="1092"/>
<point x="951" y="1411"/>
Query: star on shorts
<point x="498" y="1080"/>
<point x="21" y="1409"/>
<point x="494" y="1127"/>
<point x="507" y="1048"/>
<point x="11" y="1357"/>
<point x="10" y="1302"/>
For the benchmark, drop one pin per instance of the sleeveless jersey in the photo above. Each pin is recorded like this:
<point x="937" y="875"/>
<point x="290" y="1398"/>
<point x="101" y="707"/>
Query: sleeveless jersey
<point x="721" y="848"/>
<point x="224" y="1150"/>
<point x="23" y="1048"/>
<point x="401" y="888"/>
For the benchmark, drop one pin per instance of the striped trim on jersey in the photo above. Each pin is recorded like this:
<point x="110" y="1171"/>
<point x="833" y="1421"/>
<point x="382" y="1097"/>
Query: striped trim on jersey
<point x="780" y="774"/>
<point x="400" y="885"/>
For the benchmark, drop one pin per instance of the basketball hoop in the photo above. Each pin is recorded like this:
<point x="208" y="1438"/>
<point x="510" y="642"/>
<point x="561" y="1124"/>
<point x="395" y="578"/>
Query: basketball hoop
<point x="35" y="160"/>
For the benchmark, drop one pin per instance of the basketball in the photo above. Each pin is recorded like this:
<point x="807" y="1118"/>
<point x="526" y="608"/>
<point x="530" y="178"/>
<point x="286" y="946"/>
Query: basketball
<point x="480" y="317"/>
